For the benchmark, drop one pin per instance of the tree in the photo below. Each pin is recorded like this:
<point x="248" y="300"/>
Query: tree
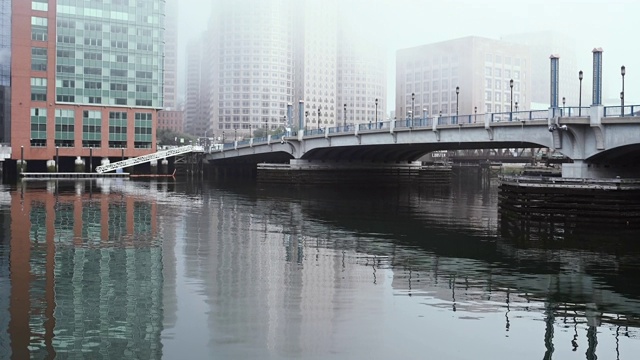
<point x="170" y="137"/>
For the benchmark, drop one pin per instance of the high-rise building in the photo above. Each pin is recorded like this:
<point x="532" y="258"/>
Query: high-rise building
<point x="262" y="56"/>
<point x="252" y="64"/>
<point x="542" y="45"/>
<point x="481" y="69"/>
<point x="171" y="116"/>
<point x="362" y="79"/>
<point x="5" y="70"/>
<point x="316" y="54"/>
<point x="85" y="75"/>
<point x="170" y="85"/>
<point x="196" y="111"/>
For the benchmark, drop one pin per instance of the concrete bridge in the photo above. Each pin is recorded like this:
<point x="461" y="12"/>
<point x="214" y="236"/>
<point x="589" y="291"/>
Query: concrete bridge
<point x="603" y="142"/>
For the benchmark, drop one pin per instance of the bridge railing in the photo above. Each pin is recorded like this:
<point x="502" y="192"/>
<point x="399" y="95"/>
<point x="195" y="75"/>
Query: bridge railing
<point x="314" y="132"/>
<point x="260" y="140"/>
<point x="228" y="146"/>
<point x="628" y="110"/>
<point x="520" y="116"/>
<point x="415" y="123"/>
<point x="244" y="142"/>
<point x="374" y="126"/>
<point x="341" y="129"/>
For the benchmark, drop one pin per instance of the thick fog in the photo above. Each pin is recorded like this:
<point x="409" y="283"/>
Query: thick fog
<point x="609" y="24"/>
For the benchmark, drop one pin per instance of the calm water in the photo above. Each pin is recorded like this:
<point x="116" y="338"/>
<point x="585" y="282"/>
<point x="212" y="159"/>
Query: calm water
<point x="180" y="270"/>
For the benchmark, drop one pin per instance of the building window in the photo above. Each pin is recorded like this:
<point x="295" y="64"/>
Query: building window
<point x="92" y="42"/>
<point x="65" y="98"/>
<point x="92" y="71"/>
<point x="38" y="59"/>
<point x="40" y="5"/>
<point x="38" y="89"/>
<point x="91" y="128"/>
<point x="38" y="127"/>
<point x="66" y="39"/>
<point x="143" y="126"/>
<point x="68" y="69"/>
<point x="64" y="128"/>
<point x="117" y="129"/>
<point x="487" y="71"/>
<point x="68" y="54"/>
<point x="39" y="28"/>
<point x="118" y="72"/>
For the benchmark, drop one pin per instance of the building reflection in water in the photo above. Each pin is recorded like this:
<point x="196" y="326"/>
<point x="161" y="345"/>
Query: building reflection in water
<point x="85" y="272"/>
<point x="468" y="275"/>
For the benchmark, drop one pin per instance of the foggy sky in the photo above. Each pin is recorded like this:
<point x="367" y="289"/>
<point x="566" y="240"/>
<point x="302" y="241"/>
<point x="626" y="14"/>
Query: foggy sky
<point x="611" y="25"/>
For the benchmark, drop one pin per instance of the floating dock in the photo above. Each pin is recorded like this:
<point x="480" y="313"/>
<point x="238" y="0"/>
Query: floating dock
<point x="71" y="176"/>
<point x="605" y="202"/>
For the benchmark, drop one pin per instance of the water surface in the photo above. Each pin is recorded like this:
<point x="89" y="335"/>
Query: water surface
<point x="125" y="269"/>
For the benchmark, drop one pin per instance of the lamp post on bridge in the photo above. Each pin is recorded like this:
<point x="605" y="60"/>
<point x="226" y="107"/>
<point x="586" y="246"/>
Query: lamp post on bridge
<point x="580" y="94"/>
<point x="457" y="96"/>
<point x="475" y="114"/>
<point x="511" y="107"/>
<point x="376" y="113"/>
<point x="623" y="71"/>
<point x="413" y="100"/>
<point x="344" y="121"/>
<point x="318" y="117"/>
<point x="306" y="118"/>
<point x="564" y="100"/>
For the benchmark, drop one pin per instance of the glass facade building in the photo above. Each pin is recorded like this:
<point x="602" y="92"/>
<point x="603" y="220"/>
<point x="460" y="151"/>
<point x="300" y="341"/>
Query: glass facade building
<point x="5" y="69"/>
<point x="109" y="52"/>
<point x="88" y="76"/>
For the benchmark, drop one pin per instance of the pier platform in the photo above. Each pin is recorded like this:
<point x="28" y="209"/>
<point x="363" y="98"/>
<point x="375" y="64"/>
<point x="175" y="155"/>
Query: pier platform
<point x="71" y="176"/>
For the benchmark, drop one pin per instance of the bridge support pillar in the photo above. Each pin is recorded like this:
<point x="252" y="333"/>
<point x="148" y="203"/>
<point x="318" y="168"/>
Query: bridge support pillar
<point x="581" y="169"/>
<point x="578" y="169"/>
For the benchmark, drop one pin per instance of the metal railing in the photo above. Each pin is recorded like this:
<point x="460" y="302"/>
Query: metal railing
<point x="628" y="110"/>
<point x="146" y="158"/>
<point x="427" y="122"/>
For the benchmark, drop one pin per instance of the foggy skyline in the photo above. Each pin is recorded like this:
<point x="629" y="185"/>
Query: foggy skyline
<point x="408" y="23"/>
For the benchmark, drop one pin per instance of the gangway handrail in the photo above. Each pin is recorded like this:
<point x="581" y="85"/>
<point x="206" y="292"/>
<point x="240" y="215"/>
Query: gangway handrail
<point x="144" y="159"/>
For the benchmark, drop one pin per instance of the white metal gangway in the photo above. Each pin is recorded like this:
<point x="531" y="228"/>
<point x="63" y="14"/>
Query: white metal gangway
<point x="147" y="158"/>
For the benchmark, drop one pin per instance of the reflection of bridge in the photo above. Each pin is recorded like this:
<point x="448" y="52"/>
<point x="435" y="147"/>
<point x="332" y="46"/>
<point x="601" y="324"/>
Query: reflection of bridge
<point x="602" y="143"/>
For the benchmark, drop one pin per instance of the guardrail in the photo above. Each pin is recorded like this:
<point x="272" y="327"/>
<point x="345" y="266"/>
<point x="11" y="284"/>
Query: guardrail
<point x="147" y="158"/>
<point x="427" y="122"/>
<point x="628" y="110"/>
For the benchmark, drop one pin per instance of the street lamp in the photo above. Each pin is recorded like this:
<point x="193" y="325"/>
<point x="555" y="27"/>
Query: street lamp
<point x="223" y="137"/>
<point x="306" y="117"/>
<point x="413" y="99"/>
<point x="475" y="113"/>
<point x="511" y="107"/>
<point x="623" y="71"/>
<point x="516" y="106"/>
<point x="580" y="95"/>
<point x="376" y="113"/>
<point x="318" y="117"/>
<point x="457" y="93"/>
<point x="344" y="113"/>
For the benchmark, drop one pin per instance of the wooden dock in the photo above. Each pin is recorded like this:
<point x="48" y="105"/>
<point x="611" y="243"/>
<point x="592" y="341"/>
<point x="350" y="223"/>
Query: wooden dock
<point x="588" y="201"/>
<point x="71" y="176"/>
